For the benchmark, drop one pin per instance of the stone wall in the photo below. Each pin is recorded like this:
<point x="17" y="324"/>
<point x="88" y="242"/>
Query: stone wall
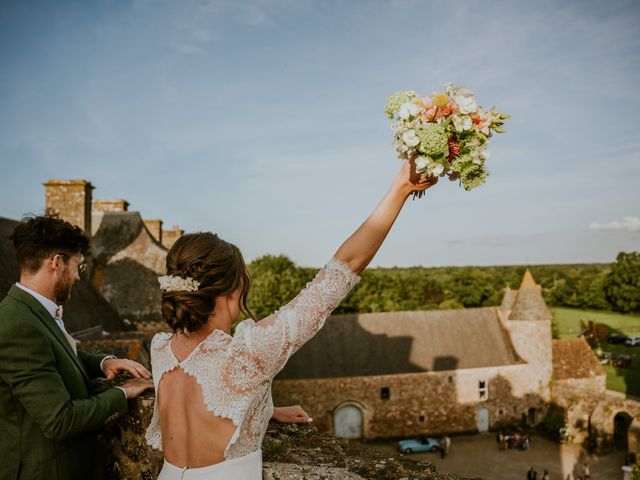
<point x="532" y="341"/>
<point x="71" y="199"/>
<point x="290" y="452"/>
<point x="419" y="403"/>
<point x="590" y="412"/>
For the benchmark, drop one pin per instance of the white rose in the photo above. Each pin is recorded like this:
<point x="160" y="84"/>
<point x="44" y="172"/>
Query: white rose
<point x="479" y="156"/>
<point x="421" y="163"/>
<point x="462" y="123"/>
<point x="410" y="138"/>
<point x="408" y="109"/>
<point x="465" y="99"/>
<point x="435" y="168"/>
<point x="466" y="104"/>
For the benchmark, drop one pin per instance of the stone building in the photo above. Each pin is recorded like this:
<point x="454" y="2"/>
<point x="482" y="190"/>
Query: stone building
<point x="127" y="252"/>
<point x="395" y="374"/>
<point x="593" y="413"/>
<point x="120" y="288"/>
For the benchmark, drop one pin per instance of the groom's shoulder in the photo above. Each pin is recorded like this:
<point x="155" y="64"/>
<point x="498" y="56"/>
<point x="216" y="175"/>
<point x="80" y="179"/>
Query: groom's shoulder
<point x="15" y="314"/>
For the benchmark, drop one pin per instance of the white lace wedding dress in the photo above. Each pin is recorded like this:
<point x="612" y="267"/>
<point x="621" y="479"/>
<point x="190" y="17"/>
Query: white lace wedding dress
<point x="235" y="373"/>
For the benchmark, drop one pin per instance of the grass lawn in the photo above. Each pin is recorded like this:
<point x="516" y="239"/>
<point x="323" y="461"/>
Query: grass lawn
<point x="568" y="322"/>
<point x="623" y="380"/>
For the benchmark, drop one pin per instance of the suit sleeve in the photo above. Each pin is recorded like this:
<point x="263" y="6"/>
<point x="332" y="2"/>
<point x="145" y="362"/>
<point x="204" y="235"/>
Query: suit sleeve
<point x="91" y="362"/>
<point x="28" y="366"/>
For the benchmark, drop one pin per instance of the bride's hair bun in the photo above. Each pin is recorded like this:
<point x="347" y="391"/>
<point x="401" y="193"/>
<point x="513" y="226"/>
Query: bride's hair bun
<point x="219" y="268"/>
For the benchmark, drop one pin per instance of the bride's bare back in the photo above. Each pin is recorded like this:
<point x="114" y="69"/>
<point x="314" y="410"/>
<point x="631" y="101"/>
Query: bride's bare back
<point x="192" y="435"/>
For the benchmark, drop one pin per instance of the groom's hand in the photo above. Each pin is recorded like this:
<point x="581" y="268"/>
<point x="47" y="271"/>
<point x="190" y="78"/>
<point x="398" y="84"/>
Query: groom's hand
<point x="112" y="366"/>
<point x="136" y="386"/>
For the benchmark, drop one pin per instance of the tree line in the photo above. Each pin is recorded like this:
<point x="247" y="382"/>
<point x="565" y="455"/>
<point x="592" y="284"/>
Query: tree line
<point x="596" y="286"/>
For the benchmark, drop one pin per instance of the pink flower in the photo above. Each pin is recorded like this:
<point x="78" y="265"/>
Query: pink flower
<point x="480" y="123"/>
<point x="454" y="149"/>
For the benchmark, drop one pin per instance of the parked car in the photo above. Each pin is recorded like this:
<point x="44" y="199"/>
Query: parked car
<point x="621" y="360"/>
<point x="617" y="338"/>
<point x="420" y="444"/>
<point x="632" y="341"/>
<point x="605" y="357"/>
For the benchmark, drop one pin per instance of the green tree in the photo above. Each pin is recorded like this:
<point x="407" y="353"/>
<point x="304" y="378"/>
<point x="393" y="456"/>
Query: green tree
<point x="622" y="286"/>
<point x="276" y="281"/>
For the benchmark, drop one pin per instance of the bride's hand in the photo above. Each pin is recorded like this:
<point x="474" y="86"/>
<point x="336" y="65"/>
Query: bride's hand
<point x="293" y="414"/>
<point x="408" y="180"/>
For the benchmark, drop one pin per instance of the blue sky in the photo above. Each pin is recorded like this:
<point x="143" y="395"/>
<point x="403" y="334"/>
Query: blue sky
<point x="263" y="120"/>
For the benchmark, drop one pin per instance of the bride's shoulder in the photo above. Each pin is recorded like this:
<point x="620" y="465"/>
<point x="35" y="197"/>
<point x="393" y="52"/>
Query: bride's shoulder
<point x="160" y="339"/>
<point x="244" y="328"/>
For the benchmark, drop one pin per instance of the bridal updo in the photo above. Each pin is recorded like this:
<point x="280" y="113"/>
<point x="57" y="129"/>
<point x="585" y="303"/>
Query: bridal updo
<point x="219" y="269"/>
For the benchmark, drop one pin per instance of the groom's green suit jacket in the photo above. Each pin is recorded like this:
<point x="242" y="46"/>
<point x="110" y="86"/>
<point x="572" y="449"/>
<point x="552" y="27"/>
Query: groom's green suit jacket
<point x="49" y="412"/>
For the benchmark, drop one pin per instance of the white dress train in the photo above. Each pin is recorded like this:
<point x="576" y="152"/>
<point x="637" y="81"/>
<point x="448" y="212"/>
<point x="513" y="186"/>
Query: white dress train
<point x="235" y="372"/>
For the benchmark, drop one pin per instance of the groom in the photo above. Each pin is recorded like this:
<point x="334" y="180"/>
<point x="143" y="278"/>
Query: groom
<point x="49" y="412"/>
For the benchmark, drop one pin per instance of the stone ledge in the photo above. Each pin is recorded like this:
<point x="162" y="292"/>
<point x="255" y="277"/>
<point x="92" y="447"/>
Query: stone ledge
<point x="290" y="452"/>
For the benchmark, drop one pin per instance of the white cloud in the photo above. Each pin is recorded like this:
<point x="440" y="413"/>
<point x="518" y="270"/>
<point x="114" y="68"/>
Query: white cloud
<point x="628" y="224"/>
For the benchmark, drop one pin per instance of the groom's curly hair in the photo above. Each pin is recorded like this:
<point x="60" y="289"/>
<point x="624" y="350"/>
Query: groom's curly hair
<point x="35" y="238"/>
<point x="219" y="268"/>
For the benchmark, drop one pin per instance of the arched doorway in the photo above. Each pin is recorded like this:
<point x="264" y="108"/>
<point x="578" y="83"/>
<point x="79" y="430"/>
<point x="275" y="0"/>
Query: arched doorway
<point x="532" y="417"/>
<point x="621" y="423"/>
<point x="348" y="421"/>
<point x="482" y="420"/>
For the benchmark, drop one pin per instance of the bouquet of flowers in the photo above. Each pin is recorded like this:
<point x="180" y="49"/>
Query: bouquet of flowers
<point x="445" y="134"/>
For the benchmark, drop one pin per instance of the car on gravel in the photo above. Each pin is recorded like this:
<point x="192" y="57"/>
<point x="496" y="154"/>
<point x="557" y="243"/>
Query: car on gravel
<point x="420" y="444"/>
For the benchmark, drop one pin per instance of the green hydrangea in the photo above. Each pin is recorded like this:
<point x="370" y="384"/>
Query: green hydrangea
<point x="433" y="140"/>
<point x="471" y="140"/>
<point x="394" y="102"/>
<point x="473" y="176"/>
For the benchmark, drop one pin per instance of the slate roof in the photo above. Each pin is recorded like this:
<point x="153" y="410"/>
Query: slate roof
<point x="404" y="342"/>
<point x="127" y="262"/>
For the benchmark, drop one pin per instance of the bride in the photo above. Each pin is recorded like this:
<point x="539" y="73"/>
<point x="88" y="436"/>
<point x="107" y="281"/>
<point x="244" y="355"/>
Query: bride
<point x="213" y="390"/>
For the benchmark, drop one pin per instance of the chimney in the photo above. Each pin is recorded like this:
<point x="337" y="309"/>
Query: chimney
<point x="169" y="237"/>
<point x="71" y="200"/>
<point x="115" y="205"/>
<point x="155" y="229"/>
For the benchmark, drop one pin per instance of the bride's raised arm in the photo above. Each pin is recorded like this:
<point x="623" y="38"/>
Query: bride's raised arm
<point x="358" y="250"/>
<point x="274" y="339"/>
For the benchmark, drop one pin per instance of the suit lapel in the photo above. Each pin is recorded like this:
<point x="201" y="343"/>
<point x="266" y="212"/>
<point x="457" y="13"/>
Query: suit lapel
<point x="43" y="315"/>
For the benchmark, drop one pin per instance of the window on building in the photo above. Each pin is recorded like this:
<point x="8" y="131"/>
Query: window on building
<point x="385" y="394"/>
<point x="450" y="379"/>
<point x="421" y="419"/>
<point x="483" y="390"/>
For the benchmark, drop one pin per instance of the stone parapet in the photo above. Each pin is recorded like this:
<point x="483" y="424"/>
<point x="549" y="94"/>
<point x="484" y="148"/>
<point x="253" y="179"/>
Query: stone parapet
<point x="289" y="452"/>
